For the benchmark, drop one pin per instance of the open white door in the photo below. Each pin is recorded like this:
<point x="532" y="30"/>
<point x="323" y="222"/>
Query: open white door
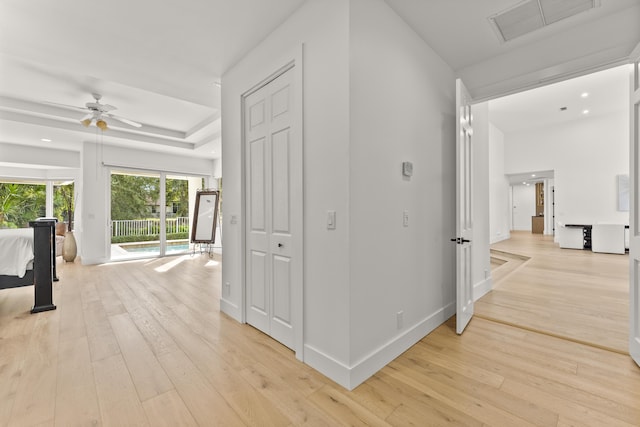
<point x="634" y="218"/>
<point x="464" y="214"/>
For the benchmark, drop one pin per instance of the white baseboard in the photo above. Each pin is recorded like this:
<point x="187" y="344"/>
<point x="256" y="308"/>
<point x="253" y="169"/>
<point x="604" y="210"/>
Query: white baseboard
<point x="351" y="377"/>
<point x="93" y="261"/>
<point x="497" y="239"/>
<point x="327" y="366"/>
<point x="481" y="288"/>
<point x="231" y="309"/>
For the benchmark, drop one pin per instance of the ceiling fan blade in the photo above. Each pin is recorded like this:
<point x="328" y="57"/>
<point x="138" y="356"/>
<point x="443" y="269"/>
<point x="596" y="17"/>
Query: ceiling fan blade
<point x="73" y="107"/>
<point x="123" y="120"/>
<point x="103" y="108"/>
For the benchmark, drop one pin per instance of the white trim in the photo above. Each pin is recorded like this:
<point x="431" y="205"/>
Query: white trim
<point x="480" y="289"/>
<point x="500" y="238"/>
<point x="297" y="293"/>
<point x="93" y="261"/>
<point x="327" y="366"/>
<point x="634" y="288"/>
<point x="231" y="309"/>
<point x="635" y="54"/>
<point x="351" y="377"/>
<point x="554" y="74"/>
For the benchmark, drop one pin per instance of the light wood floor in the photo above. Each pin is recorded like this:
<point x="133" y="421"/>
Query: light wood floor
<point x="143" y="343"/>
<point x="570" y="293"/>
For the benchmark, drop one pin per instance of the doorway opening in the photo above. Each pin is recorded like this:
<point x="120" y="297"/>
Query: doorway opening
<point x="578" y="129"/>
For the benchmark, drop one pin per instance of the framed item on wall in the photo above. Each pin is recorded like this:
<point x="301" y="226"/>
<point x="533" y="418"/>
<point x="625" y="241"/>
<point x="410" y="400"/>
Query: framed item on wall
<point x="623" y="193"/>
<point x="205" y="217"/>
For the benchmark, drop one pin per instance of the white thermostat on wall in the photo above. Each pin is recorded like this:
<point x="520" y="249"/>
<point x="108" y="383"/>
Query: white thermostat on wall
<point x="407" y="169"/>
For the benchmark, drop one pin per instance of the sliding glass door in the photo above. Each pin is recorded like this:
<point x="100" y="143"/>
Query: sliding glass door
<point x="135" y="214"/>
<point x="150" y="213"/>
<point x="178" y="214"/>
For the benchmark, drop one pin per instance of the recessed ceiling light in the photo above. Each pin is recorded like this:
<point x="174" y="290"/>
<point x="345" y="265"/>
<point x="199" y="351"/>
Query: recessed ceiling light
<point x="533" y="175"/>
<point x="45" y="140"/>
<point x="585" y="111"/>
<point x="524" y="183"/>
<point x="585" y="94"/>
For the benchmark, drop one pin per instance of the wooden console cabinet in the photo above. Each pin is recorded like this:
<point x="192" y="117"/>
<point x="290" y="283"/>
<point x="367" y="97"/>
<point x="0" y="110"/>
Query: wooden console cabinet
<point x="537" y="224"/>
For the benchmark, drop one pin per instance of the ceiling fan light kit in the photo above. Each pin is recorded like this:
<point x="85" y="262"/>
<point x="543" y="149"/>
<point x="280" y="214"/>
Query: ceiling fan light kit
<point x="98" y="114"/>
<point x="101" y="124"/>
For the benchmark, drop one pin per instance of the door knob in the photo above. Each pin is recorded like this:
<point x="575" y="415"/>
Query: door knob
<point x="460" y="240"/>
<point x="280" y="245"/>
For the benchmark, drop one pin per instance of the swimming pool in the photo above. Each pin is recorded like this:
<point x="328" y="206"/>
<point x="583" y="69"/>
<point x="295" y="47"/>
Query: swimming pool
<point x="155" y="248"/>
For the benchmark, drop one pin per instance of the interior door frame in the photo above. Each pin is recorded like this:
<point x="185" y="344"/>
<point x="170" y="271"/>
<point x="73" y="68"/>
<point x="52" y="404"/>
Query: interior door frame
<point x="634" y="204"/>
<point x="295" y="64"/>
<point x="634" y="55"/>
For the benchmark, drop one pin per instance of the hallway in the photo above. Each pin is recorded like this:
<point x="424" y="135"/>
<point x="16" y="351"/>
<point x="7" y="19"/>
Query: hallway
<point x="572" y="294"/>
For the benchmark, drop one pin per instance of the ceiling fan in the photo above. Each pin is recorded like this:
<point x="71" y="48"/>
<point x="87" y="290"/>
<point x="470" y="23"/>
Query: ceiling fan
<point x="98" y="112"/>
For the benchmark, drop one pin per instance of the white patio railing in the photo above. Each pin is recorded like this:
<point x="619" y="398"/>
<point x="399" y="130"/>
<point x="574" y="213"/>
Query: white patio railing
<point x="145" y="227"/>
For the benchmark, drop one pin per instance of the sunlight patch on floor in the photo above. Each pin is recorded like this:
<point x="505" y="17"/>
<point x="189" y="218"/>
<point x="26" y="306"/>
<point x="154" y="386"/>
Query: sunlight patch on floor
<point x="169" y="265"/>
<point x="212" y="263"/>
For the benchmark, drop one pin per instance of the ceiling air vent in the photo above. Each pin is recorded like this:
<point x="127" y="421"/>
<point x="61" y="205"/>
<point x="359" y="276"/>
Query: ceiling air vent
<point x="531" y="15"/>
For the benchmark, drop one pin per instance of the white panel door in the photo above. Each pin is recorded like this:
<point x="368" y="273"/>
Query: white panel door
<point x="464" y="204"/>
<point x="271" y="256"/>
<point x="634" y="223"/>
<point x="524" y="206"/>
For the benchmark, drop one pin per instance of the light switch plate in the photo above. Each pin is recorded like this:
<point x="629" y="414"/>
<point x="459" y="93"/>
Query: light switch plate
<point x="331" y="220"/>
<point x="407" y="169"/>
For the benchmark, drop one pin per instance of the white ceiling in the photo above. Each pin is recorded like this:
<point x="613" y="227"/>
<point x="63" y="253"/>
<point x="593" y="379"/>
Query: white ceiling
<point x="466" y="36"/>
<point x="159" y="62"/>
<point x="607" y="93"/>
<point x="530" y="178"/>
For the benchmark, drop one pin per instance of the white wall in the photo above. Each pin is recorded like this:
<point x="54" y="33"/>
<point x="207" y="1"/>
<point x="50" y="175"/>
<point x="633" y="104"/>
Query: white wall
<point x="375" y="95"/>
<point x="499" y="206"/>
<point x="586" y="156"/>
<point x="42" y="157"/>
<point x="93" y="188"/>
<point x="524" y="206"/>
<point x="480" y="255"/>
<point x="402" y="109"/>
<point x="322" y="25"/>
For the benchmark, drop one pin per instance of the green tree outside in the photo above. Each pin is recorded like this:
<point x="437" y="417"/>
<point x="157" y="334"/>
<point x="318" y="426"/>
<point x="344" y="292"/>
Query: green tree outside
<point x="21" y="203"/>
<point x="178" y="196"/>
<point x="133" y="197"/>
<point x="64" y="204"/>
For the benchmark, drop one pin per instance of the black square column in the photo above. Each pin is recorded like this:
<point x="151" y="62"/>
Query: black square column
<point x="42" y="265"/>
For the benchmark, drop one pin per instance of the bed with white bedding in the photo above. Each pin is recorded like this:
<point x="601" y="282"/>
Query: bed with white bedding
<point x="16" y="257"/>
